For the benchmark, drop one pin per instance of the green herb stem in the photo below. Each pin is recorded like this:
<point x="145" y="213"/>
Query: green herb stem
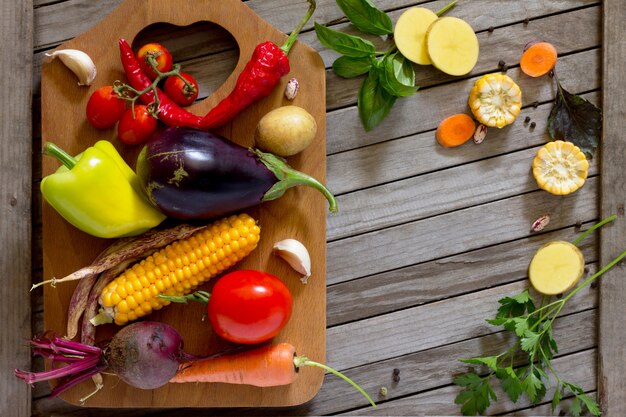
<point x="594" y="276"/>
<point x="446" y="8"/>
<point x="592" y="228"/>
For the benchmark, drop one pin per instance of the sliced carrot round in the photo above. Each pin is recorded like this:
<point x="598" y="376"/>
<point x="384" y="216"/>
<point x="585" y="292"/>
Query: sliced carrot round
<point x="455" y="130"/>
<point x="538" y="59"/>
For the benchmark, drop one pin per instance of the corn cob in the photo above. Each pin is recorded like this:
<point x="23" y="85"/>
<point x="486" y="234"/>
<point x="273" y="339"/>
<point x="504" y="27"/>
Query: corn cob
<point x="178" y="269"/>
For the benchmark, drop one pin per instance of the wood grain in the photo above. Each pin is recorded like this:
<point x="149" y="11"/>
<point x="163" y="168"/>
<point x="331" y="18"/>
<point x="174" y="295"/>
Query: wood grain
<point x="16" y="21"/>
<point x="462" y="230"/>
<point x="299" y="214"/>
<point x="612" y="344"/>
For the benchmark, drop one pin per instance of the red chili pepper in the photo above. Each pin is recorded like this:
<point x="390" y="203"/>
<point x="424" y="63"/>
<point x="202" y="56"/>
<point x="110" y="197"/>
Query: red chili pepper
<point x="169" y="112"/>
<point x="259" y="77"/>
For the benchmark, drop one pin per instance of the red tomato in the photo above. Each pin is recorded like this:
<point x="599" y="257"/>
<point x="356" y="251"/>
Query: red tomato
<point x="177" y="90"/>
<point x="104" y="108"/>
<point x="161" y="54"/>
<point x="133" y="130"/>
<point x="249" y="306"/>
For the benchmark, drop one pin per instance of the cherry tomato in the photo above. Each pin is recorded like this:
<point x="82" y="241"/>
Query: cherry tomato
<point x="179" y="92"/>
<point x="133" y="130"/>
<point x="104" y="108"/>
<point x="249" y="306"/>
<point x="161" y="54"/>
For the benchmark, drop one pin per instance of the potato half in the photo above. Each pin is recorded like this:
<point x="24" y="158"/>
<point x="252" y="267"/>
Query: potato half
<point x="556" y="268"/>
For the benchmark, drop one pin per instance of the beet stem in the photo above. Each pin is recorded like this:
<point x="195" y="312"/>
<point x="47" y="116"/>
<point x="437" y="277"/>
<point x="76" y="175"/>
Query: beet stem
<point x="77" y="379"/>
<point x="76" y="367"/>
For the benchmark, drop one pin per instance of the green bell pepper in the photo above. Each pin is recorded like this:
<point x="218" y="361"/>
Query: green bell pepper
<point x="98" y="192"/>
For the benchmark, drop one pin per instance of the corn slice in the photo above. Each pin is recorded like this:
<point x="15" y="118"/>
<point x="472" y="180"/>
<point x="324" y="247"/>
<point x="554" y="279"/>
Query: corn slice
<point x="560" y="167"/>
<point x="495" y="100"/>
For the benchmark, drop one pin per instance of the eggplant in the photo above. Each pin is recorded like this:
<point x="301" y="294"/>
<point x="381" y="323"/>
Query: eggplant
<point x="192" y="174"/>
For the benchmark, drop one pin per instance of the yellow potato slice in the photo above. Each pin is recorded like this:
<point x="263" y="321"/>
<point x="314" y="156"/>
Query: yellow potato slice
<point x="556" y="268"/>
<point x="452" y="45"/>
<point x="410" y="34"/>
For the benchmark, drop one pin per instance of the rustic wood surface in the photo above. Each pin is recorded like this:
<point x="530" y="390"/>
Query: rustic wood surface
<point x="426" y="239"/>
<point x="16" y="23"/>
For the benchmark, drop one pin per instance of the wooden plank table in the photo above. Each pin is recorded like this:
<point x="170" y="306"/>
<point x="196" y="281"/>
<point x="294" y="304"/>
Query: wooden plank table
<point x="426" y="239"/>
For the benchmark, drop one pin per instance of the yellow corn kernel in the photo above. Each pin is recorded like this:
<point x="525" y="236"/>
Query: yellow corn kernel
<point x="121" y="291"/>
<point x="115" y="298"/>
<point x="179" y="268"/>
<point x="122" y="307"/>
<point x="130" y="300"/>
<point x="107" y="299"/>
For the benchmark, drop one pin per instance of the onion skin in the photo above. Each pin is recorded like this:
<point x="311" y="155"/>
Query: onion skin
<point x="192" y="174"/>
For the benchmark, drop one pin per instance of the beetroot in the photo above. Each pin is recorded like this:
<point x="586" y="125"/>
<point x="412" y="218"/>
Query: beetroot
<point x="144" y="355"/>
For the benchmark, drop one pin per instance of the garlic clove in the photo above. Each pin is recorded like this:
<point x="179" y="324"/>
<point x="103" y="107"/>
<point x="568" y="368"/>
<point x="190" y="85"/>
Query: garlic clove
<point x="296" y="255"/>
<point x="78" y="62"/>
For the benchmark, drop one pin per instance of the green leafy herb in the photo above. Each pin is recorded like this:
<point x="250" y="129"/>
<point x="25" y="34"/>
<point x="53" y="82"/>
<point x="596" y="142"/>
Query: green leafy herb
<point x="535" y="345"/>
<point x="366" y="17"/>
<point x="345" y="44"/>
<point x="476" y="395"/>
<point x="389" y="74"/>
<point x="398" y="77"/>
<point x="576" y="120"/>
<point x="374" y="101"/>
<point x="348" y="67"/>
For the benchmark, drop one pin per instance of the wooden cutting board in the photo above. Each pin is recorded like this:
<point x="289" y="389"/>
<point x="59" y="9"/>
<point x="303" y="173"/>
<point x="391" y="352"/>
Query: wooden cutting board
<point x="299" y="214"/>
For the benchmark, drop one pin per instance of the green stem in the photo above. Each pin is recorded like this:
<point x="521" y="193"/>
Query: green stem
<point x="592" y="228"/>
<point x="545" y="357"/>
<point x="555" y="308"/>
<point x="446" y="8"/>
<point x="198" y="296"/>
<point x="300" y="361"/>
<point x="545" y="307"/>
<point x="286" y="47"/>
<point x="594" y="276"/>
<point x="59" y="154"/>
<point x="289" y="177"/>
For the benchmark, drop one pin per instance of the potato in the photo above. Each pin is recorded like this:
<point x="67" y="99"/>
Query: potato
<point x="410" y="34"/>
<point x="452" y="45"/>
<point x="286" y="131"/>
<point x="556" y="268"/>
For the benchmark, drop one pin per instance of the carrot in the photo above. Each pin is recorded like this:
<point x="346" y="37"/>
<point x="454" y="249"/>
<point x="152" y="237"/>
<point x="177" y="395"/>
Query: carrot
<point x="455" y="130"/>
<point x="538" y="59"/>
<point x="265" y="366"/>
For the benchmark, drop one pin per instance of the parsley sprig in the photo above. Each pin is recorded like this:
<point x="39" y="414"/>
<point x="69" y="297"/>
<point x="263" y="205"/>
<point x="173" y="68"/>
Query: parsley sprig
<point x="534" y="346"/>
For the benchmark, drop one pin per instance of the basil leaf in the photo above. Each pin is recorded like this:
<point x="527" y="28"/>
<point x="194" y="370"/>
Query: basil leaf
<point x="345" y="44"/>
<point x="366" y="17"/>
<point x="576" y="120"/>
<point x="348" y="67"/>
<point x="374" y="102"/>
<point x="399" y="77"/>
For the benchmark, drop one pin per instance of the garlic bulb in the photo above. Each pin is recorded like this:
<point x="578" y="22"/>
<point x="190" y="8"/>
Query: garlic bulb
<point x="79" y="62"/>
<point x="296" y="255"/>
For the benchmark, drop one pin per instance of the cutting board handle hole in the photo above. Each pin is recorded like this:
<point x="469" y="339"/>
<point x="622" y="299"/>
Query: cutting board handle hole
<point x="204" y="49"/>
